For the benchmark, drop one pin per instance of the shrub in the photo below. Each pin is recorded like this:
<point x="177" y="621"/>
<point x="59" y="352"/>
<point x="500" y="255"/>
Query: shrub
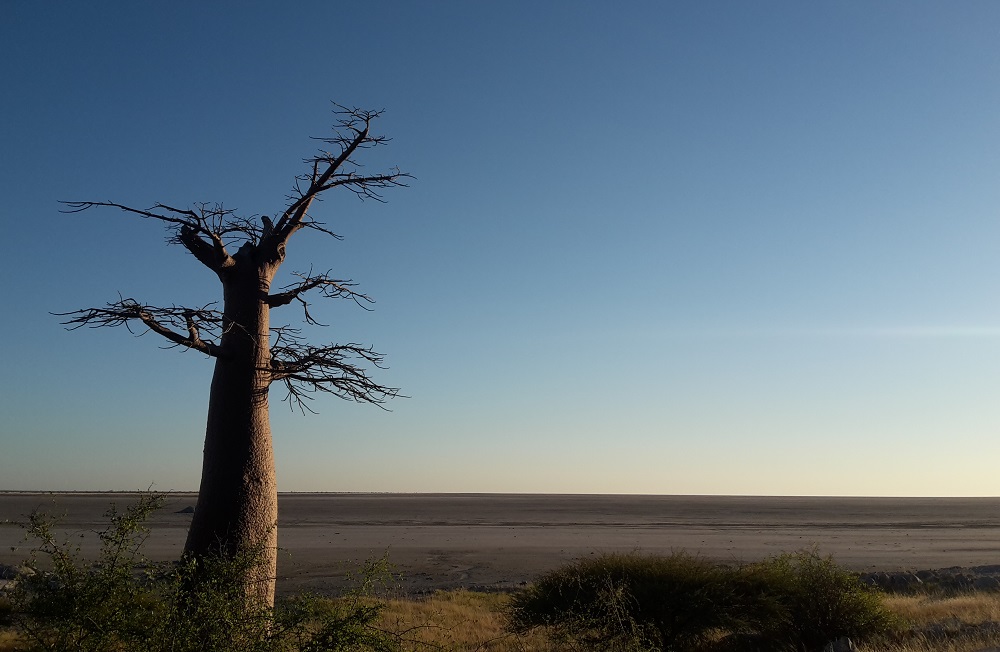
<point x="62" y="603"/>
<point x="124" y="603"/>
<point x="631" y="602"/>
<point x="818" y="602"/>
<point x="681" y="603"/>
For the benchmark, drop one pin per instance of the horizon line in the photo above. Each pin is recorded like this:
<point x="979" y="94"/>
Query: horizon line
<point x="498" y="493"/>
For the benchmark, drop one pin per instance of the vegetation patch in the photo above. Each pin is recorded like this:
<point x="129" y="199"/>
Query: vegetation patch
<point x="124" y="603"/>
<point x="685" y="603"/>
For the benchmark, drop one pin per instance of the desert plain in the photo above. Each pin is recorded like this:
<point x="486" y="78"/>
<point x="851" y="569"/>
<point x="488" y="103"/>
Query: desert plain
<point x="500" y="541"/>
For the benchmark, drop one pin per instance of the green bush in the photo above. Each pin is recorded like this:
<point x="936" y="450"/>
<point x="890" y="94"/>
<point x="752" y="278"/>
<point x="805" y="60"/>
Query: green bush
<point x="632" y="602"/>
<point x="818" y="602"/>
<point x="681" y="603"/>
<point x="124" y="603"/>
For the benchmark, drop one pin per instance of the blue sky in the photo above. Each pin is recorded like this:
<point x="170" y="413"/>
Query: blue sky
<point x="714" y="247"/>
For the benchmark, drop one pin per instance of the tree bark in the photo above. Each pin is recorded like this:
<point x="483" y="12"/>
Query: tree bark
<point x="237" y="509"/>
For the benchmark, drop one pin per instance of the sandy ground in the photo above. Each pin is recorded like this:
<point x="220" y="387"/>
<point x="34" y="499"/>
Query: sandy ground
<point x="490" y="541"/>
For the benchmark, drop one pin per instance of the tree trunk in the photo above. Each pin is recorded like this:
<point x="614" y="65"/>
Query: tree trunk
<point x="237" y="508"/>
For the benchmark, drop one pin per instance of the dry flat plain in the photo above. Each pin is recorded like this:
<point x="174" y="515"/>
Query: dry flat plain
<point x="497" y="541"/>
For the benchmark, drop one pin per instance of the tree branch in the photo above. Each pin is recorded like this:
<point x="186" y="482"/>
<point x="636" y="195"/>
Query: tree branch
<point x="162" y="321"/>
<point x="332" y="369"/>
<point x="329" y="170"/>
<point x="207" y="230"/>
<point x="202" y="232"/>
<point x="329" y="288"/>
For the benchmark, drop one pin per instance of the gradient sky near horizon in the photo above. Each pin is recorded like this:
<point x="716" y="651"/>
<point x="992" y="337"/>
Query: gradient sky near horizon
<point x="656" y="247"/>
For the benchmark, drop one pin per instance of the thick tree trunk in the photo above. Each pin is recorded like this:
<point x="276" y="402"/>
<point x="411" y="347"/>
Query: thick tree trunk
<point x="237" y="508"/>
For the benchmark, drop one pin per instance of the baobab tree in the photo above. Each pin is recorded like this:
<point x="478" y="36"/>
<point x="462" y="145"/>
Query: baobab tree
<point x="237" y="504"/>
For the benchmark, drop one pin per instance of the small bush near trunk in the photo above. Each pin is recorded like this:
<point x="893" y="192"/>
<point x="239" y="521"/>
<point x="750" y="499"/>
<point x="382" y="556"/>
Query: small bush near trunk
<point x="124" y="603"/>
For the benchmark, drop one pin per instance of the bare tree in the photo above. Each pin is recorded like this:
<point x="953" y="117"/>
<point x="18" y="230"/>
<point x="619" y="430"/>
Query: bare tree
<point x="237" y="503"/>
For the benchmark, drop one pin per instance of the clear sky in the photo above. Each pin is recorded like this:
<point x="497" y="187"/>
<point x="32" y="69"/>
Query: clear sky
<point x="656" y="247"/>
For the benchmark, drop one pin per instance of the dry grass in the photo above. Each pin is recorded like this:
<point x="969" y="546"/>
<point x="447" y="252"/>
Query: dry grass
<point x="924" y="644"/>
<point x="457" y="620"/>
<point x="8" y="641"/>
<point x="937" y="622"/>
<point x="972" y="608"/>
<point x="465" y="621"/>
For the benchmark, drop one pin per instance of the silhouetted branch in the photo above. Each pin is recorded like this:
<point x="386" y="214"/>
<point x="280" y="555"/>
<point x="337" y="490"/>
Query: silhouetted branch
<point x="204" y="231"/>
<point x="168" y="322"/>
<point x="330" y="169"/>
<point x="329" y="288"/>
<point x="332" y="369"/>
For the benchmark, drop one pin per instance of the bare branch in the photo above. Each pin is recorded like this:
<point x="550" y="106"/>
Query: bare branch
<point x="331" y="169"/>
<point x="203" y="232"/>
<point x="206" y="230"/>
<point x="166" y="322"/>
<point x="80" y="206"/>
<point x="368" y="187"/>
<point x="332" y="369"/>
<point x="329" y="288"/>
